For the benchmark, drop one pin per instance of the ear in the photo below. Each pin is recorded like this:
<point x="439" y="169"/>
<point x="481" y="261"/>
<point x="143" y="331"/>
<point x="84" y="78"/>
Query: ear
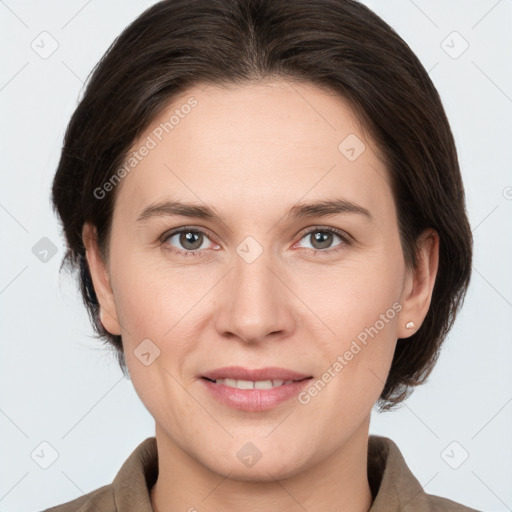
<point x="419" y="283"/>
<point x="101" y="280"/>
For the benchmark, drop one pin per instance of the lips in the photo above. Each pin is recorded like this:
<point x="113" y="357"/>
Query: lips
<point x="253" y="390"/>
<point x="240" y="373"/>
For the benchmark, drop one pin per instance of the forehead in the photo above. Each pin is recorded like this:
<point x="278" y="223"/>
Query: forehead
<point x="261" y="144"/>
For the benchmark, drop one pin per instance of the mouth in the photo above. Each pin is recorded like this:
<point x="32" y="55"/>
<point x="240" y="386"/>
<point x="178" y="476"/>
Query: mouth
<point x="254" y="384"/>
<point x="253" y="390"/>
<point x="272" y="374"/>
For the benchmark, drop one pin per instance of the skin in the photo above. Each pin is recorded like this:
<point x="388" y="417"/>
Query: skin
<point x="252" y="152"/>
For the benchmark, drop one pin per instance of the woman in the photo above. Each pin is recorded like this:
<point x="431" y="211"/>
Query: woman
<point x="264" y="201"/>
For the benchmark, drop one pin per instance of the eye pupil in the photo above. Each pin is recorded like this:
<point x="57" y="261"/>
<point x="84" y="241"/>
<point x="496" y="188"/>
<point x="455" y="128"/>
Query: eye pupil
<point x="324" y="238"/>
<point x="190" y="237"/>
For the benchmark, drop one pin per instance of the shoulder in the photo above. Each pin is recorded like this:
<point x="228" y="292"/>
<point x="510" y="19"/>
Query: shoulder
<point x="438" y="504"/>
<point x="394" y="486"/>
<point x="99" y="499"/>
<point x="130" y="489"/>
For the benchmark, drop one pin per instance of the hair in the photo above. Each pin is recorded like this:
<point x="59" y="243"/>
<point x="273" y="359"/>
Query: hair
<point x="340" y="46"/>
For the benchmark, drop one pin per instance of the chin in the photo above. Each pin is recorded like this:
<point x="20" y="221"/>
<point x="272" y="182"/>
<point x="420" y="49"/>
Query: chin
<point x="260" y="472"/>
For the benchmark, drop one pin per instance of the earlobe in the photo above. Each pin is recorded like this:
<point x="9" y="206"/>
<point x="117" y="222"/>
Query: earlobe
<point x="419" y="284"/>
<point x="101" y="280"/>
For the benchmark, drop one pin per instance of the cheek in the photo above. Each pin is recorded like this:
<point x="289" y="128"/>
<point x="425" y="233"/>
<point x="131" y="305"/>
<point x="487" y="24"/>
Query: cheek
<point x="160" y="316"/>
<point x="356" y="293"/>
<point x="355" y="369"/>
<point x="153" y="298"/>
<point x="359" y="306"/>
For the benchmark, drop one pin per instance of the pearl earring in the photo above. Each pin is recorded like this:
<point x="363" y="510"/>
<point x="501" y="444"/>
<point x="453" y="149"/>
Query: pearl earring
<point x="409" y="325"/>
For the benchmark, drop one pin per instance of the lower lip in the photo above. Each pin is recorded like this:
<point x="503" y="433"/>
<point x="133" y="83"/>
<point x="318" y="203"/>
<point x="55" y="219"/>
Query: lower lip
<point x="254" y="399"/>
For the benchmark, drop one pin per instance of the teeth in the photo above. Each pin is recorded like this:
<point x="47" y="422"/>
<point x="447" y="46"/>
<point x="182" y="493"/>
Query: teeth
<point x="250" y="384"/>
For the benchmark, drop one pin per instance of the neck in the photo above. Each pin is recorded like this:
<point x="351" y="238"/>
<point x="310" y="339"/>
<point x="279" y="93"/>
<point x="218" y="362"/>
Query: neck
<point x="339" y="482"/>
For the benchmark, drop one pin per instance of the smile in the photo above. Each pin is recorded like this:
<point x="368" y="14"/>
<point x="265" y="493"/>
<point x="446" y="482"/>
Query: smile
<point x="253" y="395"/>
<point x="250" y="384"/>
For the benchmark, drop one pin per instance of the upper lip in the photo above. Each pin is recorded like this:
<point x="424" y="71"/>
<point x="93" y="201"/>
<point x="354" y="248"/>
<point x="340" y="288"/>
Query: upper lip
<point x="240" y="373"/>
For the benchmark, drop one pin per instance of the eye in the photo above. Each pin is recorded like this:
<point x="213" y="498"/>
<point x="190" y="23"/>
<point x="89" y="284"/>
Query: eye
<point x="322" y="238"/>
<point x="193" y="242"/>
<point x="189" y="242"/>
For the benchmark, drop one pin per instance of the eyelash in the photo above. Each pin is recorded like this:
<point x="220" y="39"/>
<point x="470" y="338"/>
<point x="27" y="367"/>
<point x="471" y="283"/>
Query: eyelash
<point x="346" y="240"/>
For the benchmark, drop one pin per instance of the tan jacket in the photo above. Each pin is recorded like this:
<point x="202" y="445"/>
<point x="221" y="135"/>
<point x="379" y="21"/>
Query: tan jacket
<point x="393" y="486"/>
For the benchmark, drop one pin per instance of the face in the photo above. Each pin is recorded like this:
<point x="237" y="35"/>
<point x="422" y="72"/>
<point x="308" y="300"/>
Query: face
<point x="258" y="279"/>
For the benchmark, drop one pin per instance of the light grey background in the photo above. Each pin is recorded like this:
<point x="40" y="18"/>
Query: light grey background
<point x="58" y="385"/>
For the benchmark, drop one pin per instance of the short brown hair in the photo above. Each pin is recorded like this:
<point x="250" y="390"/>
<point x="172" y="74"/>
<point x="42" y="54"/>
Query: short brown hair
<point x="339" y="45"/>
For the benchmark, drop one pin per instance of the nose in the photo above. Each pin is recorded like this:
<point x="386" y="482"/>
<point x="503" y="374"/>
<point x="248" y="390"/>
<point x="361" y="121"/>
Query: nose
<point x="254" y="302"/>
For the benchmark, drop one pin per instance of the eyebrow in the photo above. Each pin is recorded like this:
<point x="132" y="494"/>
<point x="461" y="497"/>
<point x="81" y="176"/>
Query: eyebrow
<point x="299" y="210"/>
